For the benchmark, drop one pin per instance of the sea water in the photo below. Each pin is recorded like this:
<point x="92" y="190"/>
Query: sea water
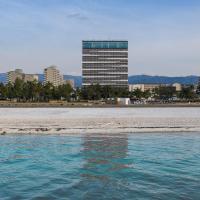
<point x="129" y="166"/>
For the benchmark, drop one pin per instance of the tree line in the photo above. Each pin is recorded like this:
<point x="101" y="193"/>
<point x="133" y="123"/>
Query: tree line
<point x="38" y="92"/>
<point x="34" y="91"/>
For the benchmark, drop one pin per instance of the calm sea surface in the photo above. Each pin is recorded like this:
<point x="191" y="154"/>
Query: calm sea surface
<point x="133" y="166"/>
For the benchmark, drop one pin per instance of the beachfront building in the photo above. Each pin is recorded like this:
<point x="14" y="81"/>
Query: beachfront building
<point x="151" y="87"/>
<point x="18" y="74"/>
<point x="53" y="75"/>
<point x="105" y="63"/>
<point x="143" y="87"/>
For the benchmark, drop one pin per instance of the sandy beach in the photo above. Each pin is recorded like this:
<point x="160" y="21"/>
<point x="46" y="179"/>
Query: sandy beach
<point x="98" y="120"/>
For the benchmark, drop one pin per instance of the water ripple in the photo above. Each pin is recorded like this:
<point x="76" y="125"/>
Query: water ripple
<point x="139" y="166"/>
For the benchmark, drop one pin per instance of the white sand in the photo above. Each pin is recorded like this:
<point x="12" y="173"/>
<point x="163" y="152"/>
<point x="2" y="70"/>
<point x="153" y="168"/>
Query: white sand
<point x="97" y="120"/>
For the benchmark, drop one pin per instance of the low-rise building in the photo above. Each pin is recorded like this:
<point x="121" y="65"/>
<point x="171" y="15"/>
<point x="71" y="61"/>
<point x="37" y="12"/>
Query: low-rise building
<point x="177" y="86"/>
<point x="151" y="87"/>
<point x="30" y="77"/>
<point x="143" y="87"/>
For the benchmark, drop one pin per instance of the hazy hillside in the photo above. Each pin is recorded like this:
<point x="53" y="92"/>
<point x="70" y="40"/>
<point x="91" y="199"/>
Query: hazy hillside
<point x="146" y="79"/>
<point x="132" y="79"/>
<point x="2" y="78"/>
<point x="162" y="79"/>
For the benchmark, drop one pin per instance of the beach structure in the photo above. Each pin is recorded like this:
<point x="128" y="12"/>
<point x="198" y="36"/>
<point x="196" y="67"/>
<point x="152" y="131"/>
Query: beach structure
<point x="105" y="63"/>
<point x="123" y="101"/>
<point x="19" y="74"/>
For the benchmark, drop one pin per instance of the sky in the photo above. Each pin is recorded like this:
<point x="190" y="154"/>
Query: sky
<point x="163" y="35"/>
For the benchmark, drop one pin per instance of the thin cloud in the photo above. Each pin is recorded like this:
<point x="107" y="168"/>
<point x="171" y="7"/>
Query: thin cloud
<point x="78" y="16"/>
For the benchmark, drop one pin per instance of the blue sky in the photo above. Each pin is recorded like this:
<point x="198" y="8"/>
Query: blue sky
<point x="163" y="35"/>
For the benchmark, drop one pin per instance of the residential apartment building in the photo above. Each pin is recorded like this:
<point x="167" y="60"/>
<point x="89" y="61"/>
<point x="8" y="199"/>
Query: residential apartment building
<point x="18" y="73"/>
<point x="30" y="77"/>
<point x="53" y="75"/>
<point x="105" y="63"/>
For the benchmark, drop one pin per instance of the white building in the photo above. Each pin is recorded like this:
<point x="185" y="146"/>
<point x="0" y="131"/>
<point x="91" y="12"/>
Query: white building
<point x="53" y="75"/>
<point x="18" y="74"/>
<point x="30" y="77"/>
<point x="151" y="87"/>
<point x="123" y="101"/>
<point x="143" y="87"/>
<point x="177" y="86"/>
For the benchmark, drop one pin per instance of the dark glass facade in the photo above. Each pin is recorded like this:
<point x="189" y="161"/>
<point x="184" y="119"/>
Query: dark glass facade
<point x="105" y="63"/>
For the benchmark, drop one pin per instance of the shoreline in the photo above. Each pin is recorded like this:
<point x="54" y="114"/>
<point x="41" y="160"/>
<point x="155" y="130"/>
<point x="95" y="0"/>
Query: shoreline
<point x="91" y="105"/>
<point x="57" y="121"/>
<point x="107" y="132"/>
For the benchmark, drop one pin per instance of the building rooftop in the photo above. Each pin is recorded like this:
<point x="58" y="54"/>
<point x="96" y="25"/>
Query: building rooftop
<point x="105" y="44"/>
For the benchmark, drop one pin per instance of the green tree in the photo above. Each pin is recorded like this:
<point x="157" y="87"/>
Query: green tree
<point x="164" y="92"/>
<point x="3" y="91"/>
<point x="47" y="91"/>
<point x="137" y="93"/>
<point x="65" y="91"/>
<point x="10" y="91"/>
<point x="187" y="93"/>
<point x="198" y="88"/>
<point x="98" y="92"/>
<point x="30" y="91"/>
<point x="146" y="94"/>
<point x="18" y="89"/>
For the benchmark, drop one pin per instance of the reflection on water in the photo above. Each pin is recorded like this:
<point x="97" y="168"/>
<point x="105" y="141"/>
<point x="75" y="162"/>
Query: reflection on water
<point x="104" y="165"/>
<point x="139" y="166"/>
<point x="104" y="151"/>
<point x="104" y="155"/>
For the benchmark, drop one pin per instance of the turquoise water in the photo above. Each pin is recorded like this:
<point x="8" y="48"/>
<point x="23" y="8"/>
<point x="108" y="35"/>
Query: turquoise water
<point x="135" y="166"/>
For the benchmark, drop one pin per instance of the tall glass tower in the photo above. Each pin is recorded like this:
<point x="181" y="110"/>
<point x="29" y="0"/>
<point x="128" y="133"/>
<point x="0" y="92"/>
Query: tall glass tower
<point x="105" y="63"/>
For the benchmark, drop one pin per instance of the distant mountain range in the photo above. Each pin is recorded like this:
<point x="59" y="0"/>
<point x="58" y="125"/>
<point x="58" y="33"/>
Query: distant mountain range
<point x="135" y="79"/>
<point x="2" y="77"/>
<point x="162" y="79"/>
